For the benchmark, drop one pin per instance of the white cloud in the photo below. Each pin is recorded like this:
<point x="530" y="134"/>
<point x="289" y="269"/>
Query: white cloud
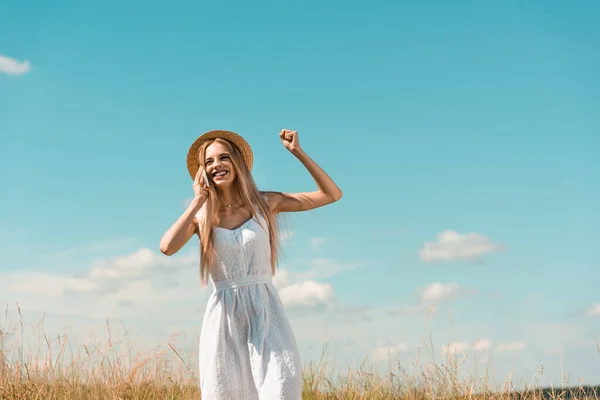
<point x="483" y="344"/>
<point x="80" y="285"/>
<point x="455" y="347"/>
<point x="594" y="310"/>
<point x="511" y="346"/>
<point x="11" y="66"/>
<point x="430" y="296"/>
<point x="109" y="276"/>
<point x="142" y="279"/>
<point x="282" y="278"/>
<point x="38" y="283"/>
<point x="452" y="245"/>
<point x="306" y="294"/>
<point x="131" y="265"/>
<point x="386" y="352"/>
<point x="462" y="347"/>
<point x="296" y="291"/>
<point x="304" y="289"/>
<point x="144" y="276"/>
<point x="436" y="292"/>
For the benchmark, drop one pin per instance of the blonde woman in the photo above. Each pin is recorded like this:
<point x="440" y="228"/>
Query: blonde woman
<point x="247" y="346"/>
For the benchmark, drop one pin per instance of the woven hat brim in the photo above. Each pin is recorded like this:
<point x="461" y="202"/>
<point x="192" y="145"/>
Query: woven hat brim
<point x="237" y="140"/>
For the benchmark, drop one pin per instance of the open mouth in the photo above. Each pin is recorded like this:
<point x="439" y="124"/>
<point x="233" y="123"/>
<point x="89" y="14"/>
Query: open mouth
<point x="218" y="175"/>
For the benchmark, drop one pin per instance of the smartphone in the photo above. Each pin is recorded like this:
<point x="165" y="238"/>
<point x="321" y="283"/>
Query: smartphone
<point x="205" y="176"/>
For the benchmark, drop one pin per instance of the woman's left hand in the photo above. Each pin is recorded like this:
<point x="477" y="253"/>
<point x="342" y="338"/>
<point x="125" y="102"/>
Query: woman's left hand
<point x="290" y="140"/>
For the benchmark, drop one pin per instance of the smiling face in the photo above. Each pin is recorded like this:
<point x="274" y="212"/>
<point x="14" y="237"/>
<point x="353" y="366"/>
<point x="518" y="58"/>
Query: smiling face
<point x="218" y="164"/>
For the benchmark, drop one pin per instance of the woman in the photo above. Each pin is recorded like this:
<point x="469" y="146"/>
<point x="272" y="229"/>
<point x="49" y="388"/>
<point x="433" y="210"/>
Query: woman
<point x="247" y="346"/>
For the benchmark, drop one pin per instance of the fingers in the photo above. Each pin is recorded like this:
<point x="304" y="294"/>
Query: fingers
<point x="198" y="176"/>
<point x="288" y="134"/>
<point x="199" y="179"/>
<point x="205" y="180"/>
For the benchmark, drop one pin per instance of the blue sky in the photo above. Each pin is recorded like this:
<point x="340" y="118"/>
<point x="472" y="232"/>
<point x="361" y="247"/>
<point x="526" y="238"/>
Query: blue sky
<point x="470" y="118"/>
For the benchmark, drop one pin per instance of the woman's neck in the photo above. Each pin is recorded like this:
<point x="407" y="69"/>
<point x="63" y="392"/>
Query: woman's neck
<point x="228" y="196"/>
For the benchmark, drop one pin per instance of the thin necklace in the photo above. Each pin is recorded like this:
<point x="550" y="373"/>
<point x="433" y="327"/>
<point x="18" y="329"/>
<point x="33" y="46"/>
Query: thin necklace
<point x="230" y="205"/>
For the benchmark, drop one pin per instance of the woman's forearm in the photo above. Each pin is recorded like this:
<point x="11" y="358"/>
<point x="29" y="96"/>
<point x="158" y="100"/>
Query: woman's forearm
<point x="325" y="184"/>
<point x="182" y="230"/>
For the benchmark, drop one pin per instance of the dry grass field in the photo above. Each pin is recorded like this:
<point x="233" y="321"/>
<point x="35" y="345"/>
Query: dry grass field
<point x="62" y="368"/>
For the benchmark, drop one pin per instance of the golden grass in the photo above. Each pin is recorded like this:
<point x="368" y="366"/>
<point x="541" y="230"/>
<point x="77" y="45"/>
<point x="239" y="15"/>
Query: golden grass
<point x="59" y="369"/>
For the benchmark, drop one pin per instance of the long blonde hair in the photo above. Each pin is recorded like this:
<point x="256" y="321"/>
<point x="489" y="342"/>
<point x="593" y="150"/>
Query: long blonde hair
<point x="250" y="197"/>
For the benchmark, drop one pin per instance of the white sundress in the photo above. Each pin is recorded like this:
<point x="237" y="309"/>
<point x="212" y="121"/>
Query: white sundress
<point x="247" y="347"/>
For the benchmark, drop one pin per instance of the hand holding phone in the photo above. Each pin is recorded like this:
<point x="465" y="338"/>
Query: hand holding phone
<point x="205" y="177"/>
<point x="201" y="185"/>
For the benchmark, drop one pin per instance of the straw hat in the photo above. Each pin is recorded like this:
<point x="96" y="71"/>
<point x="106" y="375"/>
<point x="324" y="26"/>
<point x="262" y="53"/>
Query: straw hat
<point x="237" y="140"/>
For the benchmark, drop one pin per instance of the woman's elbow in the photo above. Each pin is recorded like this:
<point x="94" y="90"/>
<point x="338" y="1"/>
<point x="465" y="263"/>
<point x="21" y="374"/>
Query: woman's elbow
<point x="336" y="196"/>
<point x="166" y="249"/>
<point x="339" y="195"/>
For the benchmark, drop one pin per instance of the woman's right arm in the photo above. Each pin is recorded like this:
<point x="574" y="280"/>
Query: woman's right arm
<point x="187" y="224"/>
<point x="182" y="230"/>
